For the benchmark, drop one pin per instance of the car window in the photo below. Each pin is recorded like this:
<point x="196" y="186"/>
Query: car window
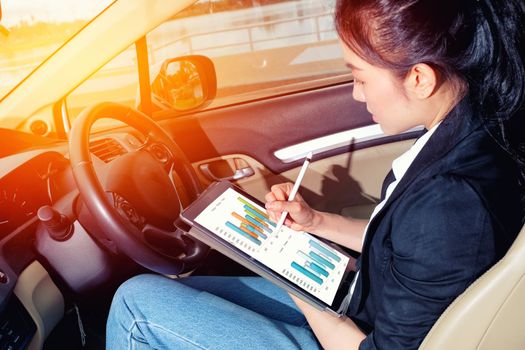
<point x="35" y="30"/>
<point x="116" y="81"/>
<point x="259" y="48"/>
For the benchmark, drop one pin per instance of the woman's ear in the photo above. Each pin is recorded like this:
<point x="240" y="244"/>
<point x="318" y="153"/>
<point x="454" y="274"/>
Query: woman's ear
<point x="421" y="81"/>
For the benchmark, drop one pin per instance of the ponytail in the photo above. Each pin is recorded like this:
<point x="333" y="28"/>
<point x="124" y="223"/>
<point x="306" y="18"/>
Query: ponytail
<point x="501" y="87"/>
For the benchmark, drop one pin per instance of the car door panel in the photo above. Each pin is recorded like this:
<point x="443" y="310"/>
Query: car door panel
<point x="259" y="128"/>
<point x="347" y="183"/>
<point x="253" y="132"/>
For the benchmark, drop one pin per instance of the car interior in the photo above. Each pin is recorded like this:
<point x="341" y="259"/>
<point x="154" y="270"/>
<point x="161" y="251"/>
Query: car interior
<point x="122" y="126"/>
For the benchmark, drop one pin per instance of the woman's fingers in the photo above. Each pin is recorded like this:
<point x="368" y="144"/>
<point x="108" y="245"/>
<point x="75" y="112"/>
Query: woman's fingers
<point x="281" y="191"/>
<point x="277" y="193"/>
<point x="270" y="197"/>
<point x="299" y="213"/>
<point x="277" y="202"/>
<point x="273" y="209"/>
<point x="280" y="206"/>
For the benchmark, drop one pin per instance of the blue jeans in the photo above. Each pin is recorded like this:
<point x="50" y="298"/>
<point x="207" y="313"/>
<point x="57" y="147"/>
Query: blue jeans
<point x="202" y="312"/>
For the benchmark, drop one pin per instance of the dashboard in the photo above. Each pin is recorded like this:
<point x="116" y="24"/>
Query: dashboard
<point x="28" y="187"/>
<point x="29" y="179"/>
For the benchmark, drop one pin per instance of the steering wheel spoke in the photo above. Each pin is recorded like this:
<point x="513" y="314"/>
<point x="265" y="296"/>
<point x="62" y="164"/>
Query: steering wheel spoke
<point x="174" y="243"/>
<point x="159" y="151"/>
<point x="153" y="233"/>
<point x="127" y="210"/>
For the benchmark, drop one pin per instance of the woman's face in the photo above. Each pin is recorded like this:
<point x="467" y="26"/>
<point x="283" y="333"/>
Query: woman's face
<point x="384" y="95"/>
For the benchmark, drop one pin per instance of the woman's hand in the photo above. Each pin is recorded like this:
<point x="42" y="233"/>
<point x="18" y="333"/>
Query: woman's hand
<point x="332" y="332"/>
<point x="301" y="217"/>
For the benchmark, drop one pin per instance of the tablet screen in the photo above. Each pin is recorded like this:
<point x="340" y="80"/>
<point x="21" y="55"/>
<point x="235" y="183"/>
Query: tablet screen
<point x="298" y="256"/>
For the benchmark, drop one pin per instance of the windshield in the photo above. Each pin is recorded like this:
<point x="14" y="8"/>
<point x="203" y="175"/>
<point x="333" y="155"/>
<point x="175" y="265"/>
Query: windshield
<point x="37" y="29"/>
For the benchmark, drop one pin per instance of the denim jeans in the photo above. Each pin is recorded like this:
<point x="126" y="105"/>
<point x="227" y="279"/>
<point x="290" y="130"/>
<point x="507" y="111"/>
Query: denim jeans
<point x="202" y="312"/>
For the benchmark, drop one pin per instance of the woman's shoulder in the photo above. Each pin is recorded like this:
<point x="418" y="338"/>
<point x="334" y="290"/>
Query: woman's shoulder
<point x="477" y="163"/>
<point x="456" y="205"/>
<point x="448" y="211"/>
<point x="478" y="152"/>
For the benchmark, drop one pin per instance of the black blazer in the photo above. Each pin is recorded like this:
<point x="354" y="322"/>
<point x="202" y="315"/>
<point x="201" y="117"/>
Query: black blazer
<point x="455" y="212"/>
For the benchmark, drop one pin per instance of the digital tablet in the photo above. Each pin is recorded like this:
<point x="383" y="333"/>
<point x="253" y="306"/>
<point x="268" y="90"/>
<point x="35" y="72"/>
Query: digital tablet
<point x="237" y="225"/>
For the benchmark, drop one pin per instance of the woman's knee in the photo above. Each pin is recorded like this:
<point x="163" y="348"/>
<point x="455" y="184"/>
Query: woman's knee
<point x="147" y="292"/>
<point x="138" y="285"/>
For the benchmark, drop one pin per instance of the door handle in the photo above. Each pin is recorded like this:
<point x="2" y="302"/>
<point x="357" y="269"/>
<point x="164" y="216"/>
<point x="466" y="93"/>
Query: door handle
<point x="242" y="170"/>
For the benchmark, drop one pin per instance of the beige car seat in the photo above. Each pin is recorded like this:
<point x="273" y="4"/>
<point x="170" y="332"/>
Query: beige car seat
<point x="490" y="314"/>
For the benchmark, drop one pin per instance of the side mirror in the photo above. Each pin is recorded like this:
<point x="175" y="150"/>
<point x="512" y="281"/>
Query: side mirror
<point x="185" y="83"/>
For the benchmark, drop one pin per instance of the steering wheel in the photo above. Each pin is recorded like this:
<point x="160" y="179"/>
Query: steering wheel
<point x="133" y="198"/>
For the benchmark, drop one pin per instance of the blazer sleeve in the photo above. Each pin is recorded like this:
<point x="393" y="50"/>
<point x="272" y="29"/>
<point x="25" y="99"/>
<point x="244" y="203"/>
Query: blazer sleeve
<point x="442" y="239"/>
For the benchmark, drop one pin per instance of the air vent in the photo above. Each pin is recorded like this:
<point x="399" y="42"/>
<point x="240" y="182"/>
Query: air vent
<point x="106" y="149"/>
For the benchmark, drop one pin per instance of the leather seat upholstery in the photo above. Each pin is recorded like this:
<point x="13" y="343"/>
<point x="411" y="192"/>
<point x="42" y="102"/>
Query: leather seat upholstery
<point x="490" y="313"/>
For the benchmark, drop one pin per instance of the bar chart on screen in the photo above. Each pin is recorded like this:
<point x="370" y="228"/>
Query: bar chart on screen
<point x="313" y="267"/>
<point x="249" y="223"/>
<point x="243" y="223"/>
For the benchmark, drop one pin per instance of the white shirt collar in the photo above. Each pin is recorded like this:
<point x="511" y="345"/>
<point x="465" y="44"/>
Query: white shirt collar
<point x="401" y="164"/>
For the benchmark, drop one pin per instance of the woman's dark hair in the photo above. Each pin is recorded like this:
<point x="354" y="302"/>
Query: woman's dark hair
<point x="478" y="45"/>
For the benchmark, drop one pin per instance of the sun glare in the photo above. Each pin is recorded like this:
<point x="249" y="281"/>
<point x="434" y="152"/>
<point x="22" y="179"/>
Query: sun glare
<point x="36" y="29"/>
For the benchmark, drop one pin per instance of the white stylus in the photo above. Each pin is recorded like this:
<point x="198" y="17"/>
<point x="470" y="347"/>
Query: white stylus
<point x="295" y="187"/>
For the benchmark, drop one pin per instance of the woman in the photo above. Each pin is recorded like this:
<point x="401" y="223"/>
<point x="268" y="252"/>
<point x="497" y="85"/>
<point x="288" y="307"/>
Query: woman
<point x="451" y="206"/>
